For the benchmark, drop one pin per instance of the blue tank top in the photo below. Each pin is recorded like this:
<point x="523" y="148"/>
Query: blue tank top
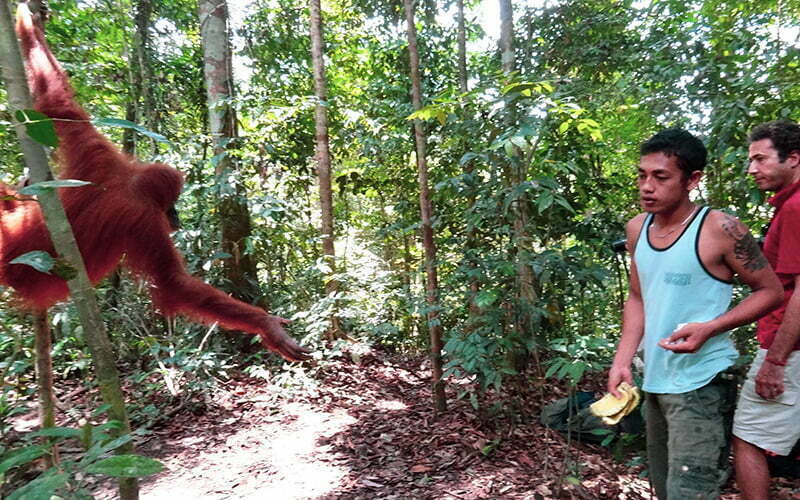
<point x="676" y="288"/>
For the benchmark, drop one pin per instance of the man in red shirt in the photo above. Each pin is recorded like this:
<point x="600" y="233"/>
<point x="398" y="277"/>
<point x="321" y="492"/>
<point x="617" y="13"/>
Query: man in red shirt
<point x="768" y="412"/>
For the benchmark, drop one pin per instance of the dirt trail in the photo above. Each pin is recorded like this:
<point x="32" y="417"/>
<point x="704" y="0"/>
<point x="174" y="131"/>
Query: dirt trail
<point x="367" y="431"/>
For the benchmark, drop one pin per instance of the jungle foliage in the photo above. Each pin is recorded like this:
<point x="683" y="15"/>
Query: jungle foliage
<point x="594" y="78"/>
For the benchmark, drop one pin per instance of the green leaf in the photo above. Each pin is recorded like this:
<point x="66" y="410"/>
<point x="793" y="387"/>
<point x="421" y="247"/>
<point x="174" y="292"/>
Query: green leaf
<point x="552" y="370"/>
<point x="467" y="157"/>
<point x="117" y="122"/>
<point x="545" y="200"/>
<point x="63" y="432"/>
<point x="47" y="186"/>
<point x="42" y="488"/>
<point x="99" y="449"/>
<point x="39" y="126"/>
<point x="23" y="456"/>
<point x="39" y="260"/>
<point x="217" y="158"/>
<point x="126" y="466"/>
<point x="564" y="203"/>
<point x="485" y="298"/>
<point x="102" y="409"/>
<point x="519" y="141"/>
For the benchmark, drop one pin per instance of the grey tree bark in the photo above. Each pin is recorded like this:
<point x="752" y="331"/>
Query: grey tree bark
<point x="43" y="347"/>
<point x="323" y="158"/>
<point x="462" y="48"/>
<point x="518" y="172"/>
<point x="140" y="107"/>
<point x="240" y="270"/>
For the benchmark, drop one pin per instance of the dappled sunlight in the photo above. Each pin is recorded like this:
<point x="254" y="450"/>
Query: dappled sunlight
<point x="280" y="458"/>
<point x="390" y="405"/>
<point x="302" y="467"/>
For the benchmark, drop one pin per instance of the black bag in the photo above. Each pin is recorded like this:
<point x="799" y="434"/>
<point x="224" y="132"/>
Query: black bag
<point x="572" y="415"/>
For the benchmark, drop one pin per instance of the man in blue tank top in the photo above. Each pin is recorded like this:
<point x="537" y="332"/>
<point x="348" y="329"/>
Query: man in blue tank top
<point x="684" y="258"/>
<point x="768" y="412"/>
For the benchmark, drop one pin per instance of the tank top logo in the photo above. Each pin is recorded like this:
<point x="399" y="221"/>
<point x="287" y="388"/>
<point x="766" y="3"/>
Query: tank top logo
<point x="678" y="279"/>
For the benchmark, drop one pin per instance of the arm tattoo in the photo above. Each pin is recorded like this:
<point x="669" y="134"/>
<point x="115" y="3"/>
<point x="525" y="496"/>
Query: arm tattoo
<point x="745" y="248"/>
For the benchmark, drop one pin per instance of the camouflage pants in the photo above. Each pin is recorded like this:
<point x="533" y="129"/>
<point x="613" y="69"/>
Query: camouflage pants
<point x="688" y="440"/>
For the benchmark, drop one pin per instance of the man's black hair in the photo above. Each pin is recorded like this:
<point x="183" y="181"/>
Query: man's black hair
<point x="785" y="136"/>
<point x="689" y="151"/>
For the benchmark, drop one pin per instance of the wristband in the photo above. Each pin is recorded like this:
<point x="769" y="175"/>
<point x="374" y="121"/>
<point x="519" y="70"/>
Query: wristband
<point x="776" y="363"/>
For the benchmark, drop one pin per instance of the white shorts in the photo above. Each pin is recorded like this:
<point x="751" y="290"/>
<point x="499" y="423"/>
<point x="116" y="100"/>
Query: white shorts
<point x="770" y="424"/>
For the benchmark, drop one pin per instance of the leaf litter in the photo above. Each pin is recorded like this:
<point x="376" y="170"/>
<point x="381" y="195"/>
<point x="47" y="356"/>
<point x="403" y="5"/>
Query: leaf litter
<point x="369" y="431"/>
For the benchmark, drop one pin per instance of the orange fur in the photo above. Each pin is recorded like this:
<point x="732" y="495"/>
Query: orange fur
<point x="123" y="212"/>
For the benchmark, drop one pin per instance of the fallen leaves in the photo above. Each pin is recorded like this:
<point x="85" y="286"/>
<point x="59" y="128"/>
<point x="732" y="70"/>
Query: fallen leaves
<point x="374" y="425"/>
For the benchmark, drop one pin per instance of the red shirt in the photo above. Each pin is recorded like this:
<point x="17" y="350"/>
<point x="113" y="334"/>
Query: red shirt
<point x="782" y="250"/>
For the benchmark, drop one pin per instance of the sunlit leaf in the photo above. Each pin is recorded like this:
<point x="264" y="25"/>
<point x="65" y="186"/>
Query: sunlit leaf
<point x="62" y="432"/>
<point x="126" y="466"/>
<point x="39" y="126"/>
<point x="118" y="122"/>
<point x="37" y="259"/>
<point x="46" y="186"/>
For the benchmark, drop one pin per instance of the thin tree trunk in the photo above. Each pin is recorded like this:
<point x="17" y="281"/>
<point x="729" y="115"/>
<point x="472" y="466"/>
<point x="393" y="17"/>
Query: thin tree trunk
<point x="463" y="77"/>
<point x="240" y="269"/>
<point x="525" y="280"/>
<point x="55" y="218"/>
<point x="138" y="59"/>
<point x="434" y="325"/>
<point x="146" y="112"/>
<point x="408" y="318"/>
<point x="131" y="108"/>
<point x="140" y="98"/>
<point x="507" y="59"/>
<point x="462" y="48"/>
<point x="323" y="159"/>
<point x="43" y="345"/>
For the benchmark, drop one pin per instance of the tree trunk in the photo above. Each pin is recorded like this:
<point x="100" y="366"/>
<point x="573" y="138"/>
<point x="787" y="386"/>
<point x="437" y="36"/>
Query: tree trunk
<point x="323" y="159"/>
<point x="43" y="346"/>
<point x="525" y="280"/>
<point x="132" y="107"/>
<point x="462" y="49"/>
<point x="240" y="269"/>
<point x="463" y="78"/>
<point x="507" y="59"/>
<point x="55" y="218"/>
<point x="140" y="104"/>
<point x="146" y="112"/>
<point x="434" y="325"/>
<point x="138" y="71"/>
<point x="408" y="318"/>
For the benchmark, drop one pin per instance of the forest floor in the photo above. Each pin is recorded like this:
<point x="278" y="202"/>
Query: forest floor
<point x="368" y="431"/>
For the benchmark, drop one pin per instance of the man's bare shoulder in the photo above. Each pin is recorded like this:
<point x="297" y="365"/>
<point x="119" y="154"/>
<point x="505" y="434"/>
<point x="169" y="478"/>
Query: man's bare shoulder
<point x="724" y="225"/>
<point x="635" y="224"/>
<point x="733" y="237"/>
<point x="632" y="230"/>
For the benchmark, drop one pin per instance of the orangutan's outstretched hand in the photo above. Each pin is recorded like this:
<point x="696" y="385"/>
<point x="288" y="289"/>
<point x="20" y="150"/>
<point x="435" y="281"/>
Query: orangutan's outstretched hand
<point x="276" y="339"/>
